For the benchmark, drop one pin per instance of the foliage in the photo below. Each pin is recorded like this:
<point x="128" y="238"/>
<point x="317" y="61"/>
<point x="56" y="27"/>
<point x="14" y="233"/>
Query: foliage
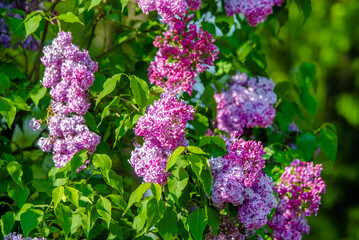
<point x="106" y="200"/>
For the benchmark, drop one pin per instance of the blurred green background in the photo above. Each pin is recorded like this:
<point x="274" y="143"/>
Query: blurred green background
<point x="329" y="38"/>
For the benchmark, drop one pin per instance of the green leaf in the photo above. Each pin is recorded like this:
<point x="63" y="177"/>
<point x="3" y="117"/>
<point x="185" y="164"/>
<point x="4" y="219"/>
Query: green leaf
<point x="76" y="223"/>
<point x="123" y="4"/>
<point x="213" y="219"/>
<point x="8" y="110"/>
<point x="104" y="163"/>
<point x="167" y="226"/>
<point x="32" y="24"/>
<point x="196" y="150"/>
<point x="197" y="222"/>
<point x="140" y="220"/>
<point x="220" y="142"/>
<point x="7" y="222"/>
<point x="69" y="17"/>
<point x="77" y="161"/>
<point x="204" y="140"/>
<point x="305" y="6"/>
<point x="328" y="141"/>
<point x="30" y="219"/>
<point x="177" y="181"/>
<point x="208" y="95"/>
<point x="4" y="83"/>
<point x="103" y="207"/>
<point x="196" y="164"/>
<point x="15" y="171"/>
<point x="307" y="144"/>
<point x="206" y="178"/>
<point x="64" y="217"/>
<point x="140" y="91"/>
<point x="173" y="158"/>
<point x="18" y="193"/>
<point x="37" y="94"/>
<point x="156" y="191"/>
<point x="94" y="3"/>
<point x="57" y="195"/>
<point x="155" y="212"/>
<point x="108" y="87"/>
<point x="137" y="195"/>
<point x="115" y="181"/>
<point x="200" y="124"/>
<point x="72" y="195"/>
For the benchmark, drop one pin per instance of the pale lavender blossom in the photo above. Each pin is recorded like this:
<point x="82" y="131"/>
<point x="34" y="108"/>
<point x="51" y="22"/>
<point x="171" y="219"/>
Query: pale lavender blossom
<point x="69" y="73"/>
<point x="248" y="103"/>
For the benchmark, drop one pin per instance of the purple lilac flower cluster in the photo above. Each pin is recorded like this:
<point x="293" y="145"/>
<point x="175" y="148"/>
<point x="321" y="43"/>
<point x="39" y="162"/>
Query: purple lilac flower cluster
<point x="238" y="179"/>
<point x="69" y="73"/>
<point x="30" y="43"/>
<point x="255" y="11"/>
<point x="15" y="236"/>
<point x="184" y="51"/>
<point x="248" y="103"/>
<point x="163" y="130"/>
<point x="299" y="192"/>
<point x="169" y="9"/>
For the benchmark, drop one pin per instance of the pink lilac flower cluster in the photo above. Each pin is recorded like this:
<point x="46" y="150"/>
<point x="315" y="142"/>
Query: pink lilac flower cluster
<point x="15" y="236"/>
<point x="238" y="179"/>
<point x="169" y="9"/>
<point x="248" y="103"/>
<point x="69" y="73"/>
<point x="163" y="130"/>
<point x="255" y="11"/>
<point x="184" y="51"/>
<point x="299" y="192"/>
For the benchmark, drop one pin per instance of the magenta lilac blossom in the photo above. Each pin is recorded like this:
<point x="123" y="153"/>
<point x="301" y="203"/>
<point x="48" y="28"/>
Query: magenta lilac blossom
<point x="69" y="73"/>
<point x="299" y="192"/>
<point x="169" y="9"/>
<point x="164" y="122"/>
<point x="255" y="11"/>
<point x="248" y="103"/>
<point x="163" y="130"/>
<point x="238" y="179"/>
<point x="184" y="51"/>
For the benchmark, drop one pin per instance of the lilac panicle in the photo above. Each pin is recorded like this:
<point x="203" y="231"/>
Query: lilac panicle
<point x="184" y="51"/>
<point x="165" y="121"/>
<point x="69" y="73"/>
<point x="169" y="9"/>
<point x="238" y="179"/>
<point x="248" y="103"/>
<point x="163" y="130"/>
<point x="299" y="192"/>
<point x="255" y="11"/>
